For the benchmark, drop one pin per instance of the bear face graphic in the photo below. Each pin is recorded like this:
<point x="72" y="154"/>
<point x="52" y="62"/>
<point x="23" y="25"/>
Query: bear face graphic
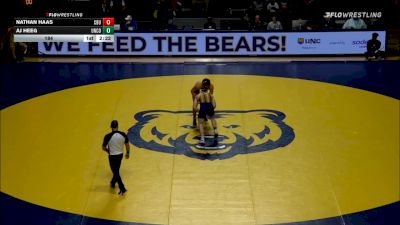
<point x="240" y="132"/>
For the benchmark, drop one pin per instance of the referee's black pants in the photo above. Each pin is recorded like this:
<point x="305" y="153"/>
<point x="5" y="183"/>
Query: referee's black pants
<point x="115" y="164"/>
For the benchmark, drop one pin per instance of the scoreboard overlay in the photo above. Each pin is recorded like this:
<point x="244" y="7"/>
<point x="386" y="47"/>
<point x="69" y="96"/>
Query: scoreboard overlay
<point x="64" y="29"/>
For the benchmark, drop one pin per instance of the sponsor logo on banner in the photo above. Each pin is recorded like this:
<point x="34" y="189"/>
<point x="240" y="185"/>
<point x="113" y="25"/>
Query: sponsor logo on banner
<point x="360" y="43"/>
<point x="309" y="43"/>
<point x="337" y="43"/>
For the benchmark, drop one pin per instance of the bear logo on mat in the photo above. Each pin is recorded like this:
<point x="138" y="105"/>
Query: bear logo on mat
<point x="240" y="132"/>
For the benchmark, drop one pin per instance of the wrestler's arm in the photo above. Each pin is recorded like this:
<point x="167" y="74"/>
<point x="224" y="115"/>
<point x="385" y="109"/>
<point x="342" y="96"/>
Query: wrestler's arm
<point x="214" y="103"/>
<point x="194" y="89"/>
<point x="195" y="102"/>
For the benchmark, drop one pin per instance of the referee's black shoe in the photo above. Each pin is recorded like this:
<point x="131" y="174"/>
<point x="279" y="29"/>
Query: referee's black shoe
<point x="122" y="192"/>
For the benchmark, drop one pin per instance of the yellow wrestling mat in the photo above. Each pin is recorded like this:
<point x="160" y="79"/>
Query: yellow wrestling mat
<point x="343" y="156"/>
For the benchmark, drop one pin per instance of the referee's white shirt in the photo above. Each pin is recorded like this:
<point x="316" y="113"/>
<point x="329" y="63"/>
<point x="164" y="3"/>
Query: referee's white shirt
<point x="115" y="142"/>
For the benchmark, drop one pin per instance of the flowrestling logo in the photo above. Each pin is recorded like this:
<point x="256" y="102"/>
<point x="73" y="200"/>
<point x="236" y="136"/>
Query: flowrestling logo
<point x="348" y="15"/>
<point x="240" y="132"/>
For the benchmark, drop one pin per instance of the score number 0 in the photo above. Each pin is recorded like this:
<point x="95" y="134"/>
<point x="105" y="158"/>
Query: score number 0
<point x="108" y="21"/>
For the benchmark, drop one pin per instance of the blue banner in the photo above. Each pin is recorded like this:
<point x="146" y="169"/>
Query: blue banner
<point x="228" y="43"/>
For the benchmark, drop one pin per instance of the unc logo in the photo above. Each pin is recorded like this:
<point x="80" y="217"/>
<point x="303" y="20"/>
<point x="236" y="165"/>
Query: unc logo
<point x="300" y="40"/>
<point x="240" y="132"/>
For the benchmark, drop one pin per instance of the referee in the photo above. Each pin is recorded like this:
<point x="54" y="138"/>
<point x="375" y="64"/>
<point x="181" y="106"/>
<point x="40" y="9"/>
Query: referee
<point x="113" y="144"/>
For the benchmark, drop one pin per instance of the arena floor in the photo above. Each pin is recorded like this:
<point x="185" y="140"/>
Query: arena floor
<point x="303" y="141"/>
